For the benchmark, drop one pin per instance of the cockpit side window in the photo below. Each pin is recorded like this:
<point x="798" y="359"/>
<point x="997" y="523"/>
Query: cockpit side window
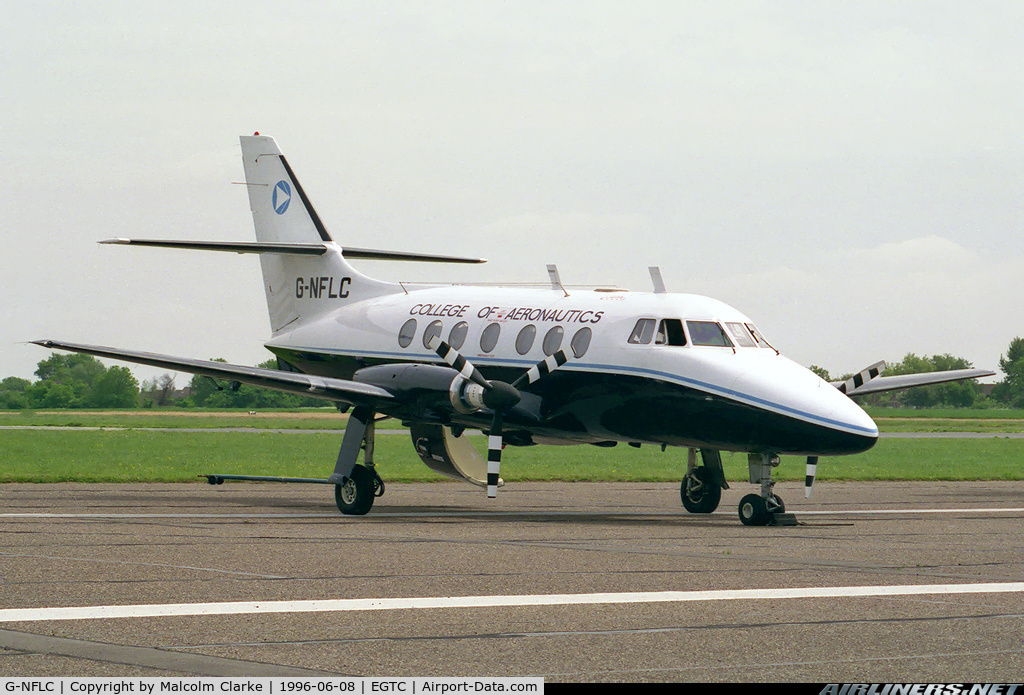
<point x="670" y="332"/>
<point x="708" y="333"/>
<point x="643" y="332"/>
<point x="740" y="335"/>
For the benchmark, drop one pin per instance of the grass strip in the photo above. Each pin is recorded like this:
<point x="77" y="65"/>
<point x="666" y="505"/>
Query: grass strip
<point x="136" y="456"/>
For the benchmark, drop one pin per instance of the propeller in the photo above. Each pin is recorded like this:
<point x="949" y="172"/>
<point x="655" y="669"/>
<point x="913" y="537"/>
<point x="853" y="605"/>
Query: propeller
<point x="497" y="396"/>
<point x="812" y="470"/>
<point x="861" y="378"/>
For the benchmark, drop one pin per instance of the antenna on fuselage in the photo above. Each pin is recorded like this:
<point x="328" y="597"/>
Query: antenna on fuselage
<point x="556" y="282"/>
<point x="659" y="284"/>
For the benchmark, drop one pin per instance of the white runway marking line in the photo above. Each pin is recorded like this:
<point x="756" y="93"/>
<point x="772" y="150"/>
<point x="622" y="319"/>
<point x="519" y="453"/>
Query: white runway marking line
<point x="14" y="615"/>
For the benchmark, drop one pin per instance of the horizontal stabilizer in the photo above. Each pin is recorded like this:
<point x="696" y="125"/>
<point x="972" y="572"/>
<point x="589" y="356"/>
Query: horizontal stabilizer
<point x="293" y="249"/>
<point x="906" y="381"/>
<point x="337" y="390"/>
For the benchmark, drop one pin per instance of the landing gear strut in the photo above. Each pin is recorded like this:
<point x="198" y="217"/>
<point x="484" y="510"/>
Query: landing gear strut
<point x="355" y="486"/>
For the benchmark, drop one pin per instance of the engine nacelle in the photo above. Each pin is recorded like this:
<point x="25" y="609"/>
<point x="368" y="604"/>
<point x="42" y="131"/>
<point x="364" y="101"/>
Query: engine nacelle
<point x="400" y="378"/>
<point x="464" y="396"/>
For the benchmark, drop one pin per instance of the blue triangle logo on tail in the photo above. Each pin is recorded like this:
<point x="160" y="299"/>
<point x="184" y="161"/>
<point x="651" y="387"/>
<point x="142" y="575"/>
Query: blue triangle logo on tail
<point x="282" y="196"/>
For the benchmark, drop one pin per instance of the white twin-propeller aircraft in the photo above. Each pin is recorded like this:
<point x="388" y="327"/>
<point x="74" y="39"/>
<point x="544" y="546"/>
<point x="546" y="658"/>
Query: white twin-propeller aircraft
<point x="527" y="365"/>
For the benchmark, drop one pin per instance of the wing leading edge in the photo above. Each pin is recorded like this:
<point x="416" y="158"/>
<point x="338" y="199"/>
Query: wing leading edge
<point x="327" y="388"/>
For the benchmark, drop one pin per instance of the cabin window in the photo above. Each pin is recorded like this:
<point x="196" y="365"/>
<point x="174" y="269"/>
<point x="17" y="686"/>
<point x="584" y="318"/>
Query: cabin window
<point x="581" y="342"/>
<point x="708" y="333"/>
<point x="670" y="332"/>
<point x="405" y="335"/>
<point x="524" y="341"/>
<point x="643" y="332"/>
<point x="489" y="338"/>
<point x="457" y="338"/>
<point x="433" y="331"/>
<point x="740" y="335"/>
<point x="553" y="340"/>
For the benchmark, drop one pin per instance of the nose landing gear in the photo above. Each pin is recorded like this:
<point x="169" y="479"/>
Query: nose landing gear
<point x="766" y="508"/>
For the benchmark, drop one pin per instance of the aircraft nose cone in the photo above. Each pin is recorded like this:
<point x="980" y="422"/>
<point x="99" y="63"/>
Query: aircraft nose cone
<point x="844" y="415"/>
<point x="821" y="419"/>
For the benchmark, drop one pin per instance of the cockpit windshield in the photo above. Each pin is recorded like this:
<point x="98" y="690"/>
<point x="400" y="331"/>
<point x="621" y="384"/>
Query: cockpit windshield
<point x="708" y="333"/>
<point x="740" y="335"/>
<point x="761" y="342"/>
<point x="734" y="334"/>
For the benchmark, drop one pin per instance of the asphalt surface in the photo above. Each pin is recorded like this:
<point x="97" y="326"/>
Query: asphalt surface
<point x="250" y="545"/>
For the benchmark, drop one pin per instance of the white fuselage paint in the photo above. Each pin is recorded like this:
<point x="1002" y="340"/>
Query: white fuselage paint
<point x="758" y="377"/>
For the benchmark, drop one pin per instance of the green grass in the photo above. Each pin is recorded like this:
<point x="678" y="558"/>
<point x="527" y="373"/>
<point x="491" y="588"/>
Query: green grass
<point x="948" y="413"/>
<point x="942" y="425"/>
<point x="136" y="456"/>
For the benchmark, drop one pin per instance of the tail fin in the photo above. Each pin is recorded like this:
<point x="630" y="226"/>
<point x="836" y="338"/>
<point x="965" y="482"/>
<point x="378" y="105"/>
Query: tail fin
<point x="299" y="288"/>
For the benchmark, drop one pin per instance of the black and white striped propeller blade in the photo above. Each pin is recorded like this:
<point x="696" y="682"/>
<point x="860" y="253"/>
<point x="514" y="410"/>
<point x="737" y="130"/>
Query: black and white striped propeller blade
<point x="542" y="369"/>
<point x="457" y="362"/>
<point x="812" y="470"/>
<point x="494" y="446"/>
<point x="498" y="396"/>
<point x="859" y="379"/>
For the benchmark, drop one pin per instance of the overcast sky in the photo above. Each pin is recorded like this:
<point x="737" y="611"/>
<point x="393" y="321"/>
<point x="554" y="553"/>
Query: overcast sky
<point x="848" y="174"/>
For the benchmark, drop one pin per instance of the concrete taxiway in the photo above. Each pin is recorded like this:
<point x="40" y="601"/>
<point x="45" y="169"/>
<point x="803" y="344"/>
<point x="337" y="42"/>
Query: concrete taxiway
<point x="573" y="582"/>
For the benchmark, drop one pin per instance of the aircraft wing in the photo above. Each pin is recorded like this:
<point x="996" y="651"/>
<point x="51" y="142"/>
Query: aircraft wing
<point x="327" y="388"/>
<point x="905" y="381"/>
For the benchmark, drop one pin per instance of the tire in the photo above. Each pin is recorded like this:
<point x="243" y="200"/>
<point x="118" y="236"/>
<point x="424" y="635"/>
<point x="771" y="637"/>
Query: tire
<point x="355" y="495"/>
<point x="753" y="511"/>
<point x="699" y="492"/>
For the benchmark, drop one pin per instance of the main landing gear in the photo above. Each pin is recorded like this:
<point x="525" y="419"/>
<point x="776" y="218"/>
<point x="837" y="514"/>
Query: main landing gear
<point x="356" y="494"/>
<point x="701" y="489"/>
<point x="356" y="487"/>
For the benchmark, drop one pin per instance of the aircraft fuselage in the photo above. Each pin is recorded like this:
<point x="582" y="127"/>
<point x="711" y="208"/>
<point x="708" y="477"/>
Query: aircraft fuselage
<point x="647" y="368"/>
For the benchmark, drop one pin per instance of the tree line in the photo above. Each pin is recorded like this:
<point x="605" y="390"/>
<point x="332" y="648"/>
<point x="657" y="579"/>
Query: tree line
<point x="82" y="381"/>
<point x="959" y="394"/>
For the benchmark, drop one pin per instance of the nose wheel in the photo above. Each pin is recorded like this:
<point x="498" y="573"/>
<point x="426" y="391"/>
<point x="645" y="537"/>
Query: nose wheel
<point x="754" y="511"/>
<point x="766" y="508"/>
